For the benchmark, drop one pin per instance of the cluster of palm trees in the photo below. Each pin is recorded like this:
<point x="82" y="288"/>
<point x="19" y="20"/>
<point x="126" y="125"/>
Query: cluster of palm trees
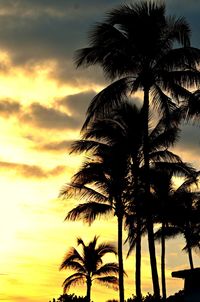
<point x="129" y="170"/>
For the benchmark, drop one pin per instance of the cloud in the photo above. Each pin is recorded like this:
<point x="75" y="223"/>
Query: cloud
<point x="56" y="146"/>
<point x="190" y="139"/>
<point x="9" y="107"/>
<point x="52" y="117"/>
<point x="30" y="171"/>
<point x="34" y="31"/>
<point x="78" y="103"/>
<point x="49" y="118"/>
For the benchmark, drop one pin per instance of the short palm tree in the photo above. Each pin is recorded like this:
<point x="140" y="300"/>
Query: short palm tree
<point x="137" y="46"/>
<point x="89" y="266"/>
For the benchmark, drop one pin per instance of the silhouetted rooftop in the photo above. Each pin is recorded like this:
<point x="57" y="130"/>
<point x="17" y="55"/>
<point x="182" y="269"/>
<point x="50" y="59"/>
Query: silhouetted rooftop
<point x="186" y="273"/>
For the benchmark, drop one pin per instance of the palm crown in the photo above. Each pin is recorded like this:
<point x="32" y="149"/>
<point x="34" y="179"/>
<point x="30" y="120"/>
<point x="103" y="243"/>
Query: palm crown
<point x="89" y="265"/>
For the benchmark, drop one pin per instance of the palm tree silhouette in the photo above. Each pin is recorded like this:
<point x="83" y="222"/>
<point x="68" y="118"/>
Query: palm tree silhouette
<point x="114" y="170"/>
<point x="108" y="173"/>
<point x="163" y="191"/>
<point x="89" y="266"/>
<point x="113" y="141"/>
<point x="187" y="204"/>
<point x="160" y="139"/>
<point x="135" y="47"/>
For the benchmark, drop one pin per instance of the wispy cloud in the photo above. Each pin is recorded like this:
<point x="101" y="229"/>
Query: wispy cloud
<point x="55" y="146"/>
<point x="30" y="171"/>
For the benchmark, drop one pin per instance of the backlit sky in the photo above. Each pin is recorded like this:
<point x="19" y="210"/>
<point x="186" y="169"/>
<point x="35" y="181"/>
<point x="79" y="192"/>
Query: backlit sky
<point x="43" y="99"/>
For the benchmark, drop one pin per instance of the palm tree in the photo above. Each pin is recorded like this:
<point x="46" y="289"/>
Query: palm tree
<point x="113" y="140"/>
<point x="101" y="183"/>
<point x="135" y="46"/>
<point x="163" y="190"/>
<point x="187" y="204"/>
<point x="89" y="266"/>
<point x="161" y="160"/>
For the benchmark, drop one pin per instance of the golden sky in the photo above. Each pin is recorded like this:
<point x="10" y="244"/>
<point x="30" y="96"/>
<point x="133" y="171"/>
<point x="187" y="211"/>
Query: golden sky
<point x="43" y="100"/>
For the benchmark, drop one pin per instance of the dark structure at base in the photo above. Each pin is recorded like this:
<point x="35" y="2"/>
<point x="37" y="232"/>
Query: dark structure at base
<point x="191" y="285"/>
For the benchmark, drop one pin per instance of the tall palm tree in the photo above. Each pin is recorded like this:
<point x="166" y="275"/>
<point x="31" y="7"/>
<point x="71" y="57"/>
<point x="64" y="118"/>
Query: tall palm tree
<point x="89" y="266"/>
<point x="135" y="46"/>
<point x="161" y="160"/>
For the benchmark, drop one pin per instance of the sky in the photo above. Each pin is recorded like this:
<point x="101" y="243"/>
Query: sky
<point x="43" y="100"/>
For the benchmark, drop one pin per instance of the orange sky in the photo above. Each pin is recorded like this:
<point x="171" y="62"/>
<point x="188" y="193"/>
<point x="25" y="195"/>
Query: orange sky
<point x="42" y="104"/>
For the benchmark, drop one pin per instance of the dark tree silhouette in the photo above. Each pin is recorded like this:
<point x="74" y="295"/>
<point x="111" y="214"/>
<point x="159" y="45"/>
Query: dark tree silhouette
<point x="114" y="142"/>
<point x="116" y="168"/>
<point x="187" y="223"/>
<point x="89" y="266"/>
<point x="163" y="191"/>
<point x="136" y="47"/>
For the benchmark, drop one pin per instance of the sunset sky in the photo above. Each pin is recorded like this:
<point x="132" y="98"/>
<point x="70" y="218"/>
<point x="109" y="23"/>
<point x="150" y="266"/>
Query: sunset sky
<point x="43" y="99"/>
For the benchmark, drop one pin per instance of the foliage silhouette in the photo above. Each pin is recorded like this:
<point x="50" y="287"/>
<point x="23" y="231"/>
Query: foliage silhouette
<point x="89" y="266"/>
<point x="111" y="142"/>
<point x="137" y="46"/>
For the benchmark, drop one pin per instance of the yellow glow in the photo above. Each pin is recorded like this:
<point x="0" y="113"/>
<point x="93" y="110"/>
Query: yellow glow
<point x="34" y="236"/>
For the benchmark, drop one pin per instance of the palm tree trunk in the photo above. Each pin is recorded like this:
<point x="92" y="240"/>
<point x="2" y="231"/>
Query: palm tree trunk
<point x="135" y="169"/>
<point x="151" y="242"/>
<point x="189" y="249"/>
<point x="164" y="294"/>
<point x="190" y="257"/>
<point x="153" y="263"/>
<point x="138" y="261"/>
<point x="120" y="259"/>
<point x="89" y="285"/>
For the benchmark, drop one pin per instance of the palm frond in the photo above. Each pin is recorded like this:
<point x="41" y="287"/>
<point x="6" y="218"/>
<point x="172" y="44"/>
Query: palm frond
<point x="180" y="58"/>
<point x="106" y="99"/>
<point x="177" y="168"/>
<point x="85" y="145"/>
<point x="169" y="232"/>
<point x="164" y="156"/>
<point x="162" y="103"/>
<point x="179" y="30"/>
<point x="107" y="269"/>
<point x="83" y="192"/>
<point x="72" y="256"/>
<point x="165" y="139"/>
<point x="190" y="181"/>
<point x="191" y="108"/>
<point x="109" y="281"/>
<point x="105" y="248"/>
<point x="92" y="172"/>
<point x="89" y="211"/>
<point x="73" y="280"/>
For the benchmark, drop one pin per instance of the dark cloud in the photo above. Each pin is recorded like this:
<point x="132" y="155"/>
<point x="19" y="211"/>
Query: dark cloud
<point x="32" y="31"/>
<point x="48" y="118"/>
<point x="45" y="117"/>
<point x="9" y="108"/>
<point x="78" y="103"/>
<point x="30" y="171"/>
<point x="56" y="146"/>
<point x="190" y="138"/>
